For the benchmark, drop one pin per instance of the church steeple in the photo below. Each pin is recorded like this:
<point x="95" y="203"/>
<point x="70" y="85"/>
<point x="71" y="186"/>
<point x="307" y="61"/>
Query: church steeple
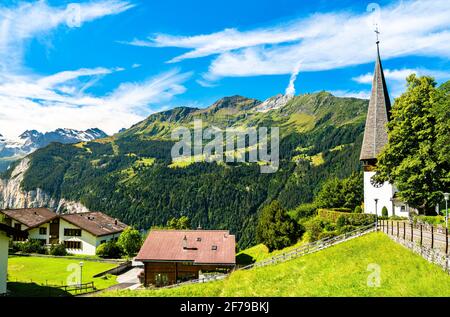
<point x="378" y="115"/>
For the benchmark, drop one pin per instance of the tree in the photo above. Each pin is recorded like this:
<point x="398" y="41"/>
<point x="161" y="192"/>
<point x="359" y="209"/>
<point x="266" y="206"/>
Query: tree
<point x="130" y="240"/>
<point x="412" y="159"/>
<point x="182" y="223"/>
<point x="336" y="193"/>
<point x="384" y="212"/>
<point x="109" y="250"/>
<point x="275" y="228"/>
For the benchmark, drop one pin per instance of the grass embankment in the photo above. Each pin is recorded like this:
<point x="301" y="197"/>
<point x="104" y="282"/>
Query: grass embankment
<point x="28" y="275"/>
<point x="341" y="270"/>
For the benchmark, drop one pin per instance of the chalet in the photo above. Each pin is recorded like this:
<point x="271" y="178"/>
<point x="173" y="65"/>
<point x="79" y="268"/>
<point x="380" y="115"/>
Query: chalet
<point x="172" y="256"/>
<point x="81" y="233"/>
<point x="5" y="233"/>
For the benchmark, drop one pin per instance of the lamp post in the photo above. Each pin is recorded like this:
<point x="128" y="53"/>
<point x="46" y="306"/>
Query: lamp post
<point x="446" y="196"/>
<point x="81" y="273"/>
<point x="376" y="214"/>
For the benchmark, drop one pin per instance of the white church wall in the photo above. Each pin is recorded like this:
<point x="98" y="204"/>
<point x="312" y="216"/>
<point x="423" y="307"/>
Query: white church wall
<point x="383" y="194"/>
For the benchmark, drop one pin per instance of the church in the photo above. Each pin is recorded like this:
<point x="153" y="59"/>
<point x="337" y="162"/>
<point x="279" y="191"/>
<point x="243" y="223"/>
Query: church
<point x="377" y="196"/>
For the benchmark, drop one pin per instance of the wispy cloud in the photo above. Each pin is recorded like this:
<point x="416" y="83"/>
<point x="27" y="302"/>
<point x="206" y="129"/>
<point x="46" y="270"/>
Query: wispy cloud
<point x="397" y="77"/>
<point x="28" y="20"/>
<point x="38" y="103"/>
<point x="323" y="41"/>
<point x="32" y="101"/>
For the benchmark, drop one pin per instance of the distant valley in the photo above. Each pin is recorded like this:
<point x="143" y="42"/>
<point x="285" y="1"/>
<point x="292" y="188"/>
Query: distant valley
<point x="31" y="140"/>
<point x="131" y="175"/>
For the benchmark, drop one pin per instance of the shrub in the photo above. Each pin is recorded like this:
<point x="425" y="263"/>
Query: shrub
<point x="303" y="211"/>
<point x="32" y="246"/>
<point x="346" y="228"/>
<point x="358" y="210"/>
<point x="354" y="219"/>
<point x="327" y="235"/>
<point x="316" y="226"/>
<point x="432" y="220"/>
<point x="384" y="212"/>
<point x="14" y="247"/>
<point x="341" y="221"/>
<point x="109" y="250"/>
<point x="58" y="250"/>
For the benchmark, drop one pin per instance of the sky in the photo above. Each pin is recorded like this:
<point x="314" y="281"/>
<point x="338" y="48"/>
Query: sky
<point x="110" y="63"/>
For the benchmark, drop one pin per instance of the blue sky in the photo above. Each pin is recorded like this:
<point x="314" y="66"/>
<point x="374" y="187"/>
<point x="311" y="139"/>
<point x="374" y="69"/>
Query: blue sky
<point x="111" y="63"/>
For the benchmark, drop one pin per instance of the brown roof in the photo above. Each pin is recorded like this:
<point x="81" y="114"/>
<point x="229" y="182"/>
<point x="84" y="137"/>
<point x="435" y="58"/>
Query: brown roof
<point x="30" y="217"/>
<point x="95" y="222"/>
<point x="12" y="231"/>
<point x="378" y="113"/>
<point x="189" y="245"/>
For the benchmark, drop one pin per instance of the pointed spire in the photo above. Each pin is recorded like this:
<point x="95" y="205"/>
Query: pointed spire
<point x="378" y="113"/>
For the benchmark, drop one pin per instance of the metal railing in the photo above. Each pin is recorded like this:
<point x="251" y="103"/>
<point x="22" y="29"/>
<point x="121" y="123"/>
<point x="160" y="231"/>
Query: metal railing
<point x="311" y="247"/>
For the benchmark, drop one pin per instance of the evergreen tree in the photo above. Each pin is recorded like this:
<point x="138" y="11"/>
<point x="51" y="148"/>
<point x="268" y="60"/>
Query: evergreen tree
<point x="276" y="229"/>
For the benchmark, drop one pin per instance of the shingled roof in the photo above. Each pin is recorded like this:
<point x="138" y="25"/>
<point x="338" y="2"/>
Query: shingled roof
<point x="30" y="217"/>
<point x="95" y="222"/>
<point x="378" y="115"/>
<point x="198" y="246"/>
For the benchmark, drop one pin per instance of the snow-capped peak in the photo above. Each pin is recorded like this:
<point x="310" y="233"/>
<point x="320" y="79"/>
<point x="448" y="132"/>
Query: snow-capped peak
<point x="274" y="102"/>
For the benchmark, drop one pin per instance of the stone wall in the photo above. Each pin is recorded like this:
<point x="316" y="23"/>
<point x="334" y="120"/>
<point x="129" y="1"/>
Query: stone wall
<point x="435" y="256"/>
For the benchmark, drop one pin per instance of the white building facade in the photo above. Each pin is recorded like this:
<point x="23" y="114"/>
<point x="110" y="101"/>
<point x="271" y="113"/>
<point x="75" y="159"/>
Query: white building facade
<point x="81" y="233"/>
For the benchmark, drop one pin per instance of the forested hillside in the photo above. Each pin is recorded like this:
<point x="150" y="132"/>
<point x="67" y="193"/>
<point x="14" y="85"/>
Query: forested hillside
<point x="131" y="175"/>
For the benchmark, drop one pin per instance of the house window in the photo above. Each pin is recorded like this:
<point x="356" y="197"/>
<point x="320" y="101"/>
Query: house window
<point x="73" y="244"/>
<point x="402" y="209"/>
<point x="17" y="226"/>
<point x="42" y="231"/>
<point x="72" y="232"/>
<point x="214" y="247"/>
<point x="161" y="279"/>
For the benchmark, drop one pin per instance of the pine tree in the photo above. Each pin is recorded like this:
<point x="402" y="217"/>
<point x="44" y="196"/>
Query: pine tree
<point x="276" y="229"/>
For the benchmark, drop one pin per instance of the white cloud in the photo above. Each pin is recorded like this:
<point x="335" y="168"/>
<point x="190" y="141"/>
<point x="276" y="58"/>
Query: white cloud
<point x="323" y="41"/>
<point x="33" y="103"/>
<point x="364" y="94"/>
<point x="28" y="20"/>
<point x="396" y="78"/>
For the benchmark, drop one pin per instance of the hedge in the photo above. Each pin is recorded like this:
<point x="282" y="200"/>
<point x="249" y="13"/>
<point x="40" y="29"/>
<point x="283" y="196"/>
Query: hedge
<point x="351" y="218"/>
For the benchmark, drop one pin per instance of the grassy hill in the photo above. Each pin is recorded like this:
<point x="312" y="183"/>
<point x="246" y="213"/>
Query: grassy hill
<point x="131" y="175"/>
<point x="341" y="270"/>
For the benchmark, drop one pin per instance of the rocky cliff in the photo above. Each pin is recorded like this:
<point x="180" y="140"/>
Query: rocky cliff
<point x="12" y="196"/>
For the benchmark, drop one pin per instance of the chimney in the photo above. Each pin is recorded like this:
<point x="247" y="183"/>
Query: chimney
<point x="185" y="243"/>
<point x="199" y="227"/>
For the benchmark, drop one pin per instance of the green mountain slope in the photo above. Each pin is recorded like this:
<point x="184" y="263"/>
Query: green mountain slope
<point x="131" y="175"/>
<point x="341" y="270"/>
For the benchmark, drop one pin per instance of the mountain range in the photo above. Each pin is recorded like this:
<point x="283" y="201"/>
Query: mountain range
<point x="31" y="140"/>
<point x="131" y="175"/>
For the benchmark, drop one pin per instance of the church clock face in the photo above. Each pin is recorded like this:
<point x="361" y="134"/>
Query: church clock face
<point x="374" y="183"/>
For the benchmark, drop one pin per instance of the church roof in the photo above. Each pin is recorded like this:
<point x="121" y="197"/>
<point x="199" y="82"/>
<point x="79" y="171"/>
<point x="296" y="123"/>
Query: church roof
<point x="378" y="114"/>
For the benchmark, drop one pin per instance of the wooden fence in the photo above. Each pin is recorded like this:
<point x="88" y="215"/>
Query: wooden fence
<point x="424" y="235"/>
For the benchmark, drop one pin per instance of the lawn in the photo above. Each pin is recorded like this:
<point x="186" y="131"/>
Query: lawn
<point x="342" y="270"/>
<point x="27" y="275"/>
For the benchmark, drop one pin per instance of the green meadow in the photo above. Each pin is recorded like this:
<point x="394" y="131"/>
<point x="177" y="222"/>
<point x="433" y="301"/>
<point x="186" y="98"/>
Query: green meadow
<point x="371" y="265"/>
